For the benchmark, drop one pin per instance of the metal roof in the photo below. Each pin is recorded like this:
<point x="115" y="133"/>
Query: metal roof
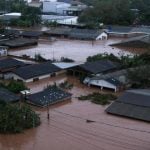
<point x="99" y="66"/>
<point x="131" y="111"/>
<point x="49" y="96"/>
<point x="31" y="33"/>
<point x="59" y="31"/>
<point x="139" y="42"/>
<point x="113" y="81"/>
<point x="36" y="70"/>
<point x="65" y="65"/>
<point x="9" y="63"/>
<point x="85" y="33"/>
<point x="18" y="42"/>
<point x="133" y="104"/>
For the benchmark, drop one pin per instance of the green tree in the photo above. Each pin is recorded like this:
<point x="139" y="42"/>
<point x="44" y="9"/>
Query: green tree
<point x="15" y="119"/>
<point x="140" y="77"/>
<point x="109" y="12"/>
<point x="16" y="86"/>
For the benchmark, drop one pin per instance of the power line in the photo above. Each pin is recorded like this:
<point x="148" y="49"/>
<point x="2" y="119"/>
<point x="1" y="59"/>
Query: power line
<point x="128" y="136"/>
<point x="104" y="123"/>
<point x="98" y="137"/>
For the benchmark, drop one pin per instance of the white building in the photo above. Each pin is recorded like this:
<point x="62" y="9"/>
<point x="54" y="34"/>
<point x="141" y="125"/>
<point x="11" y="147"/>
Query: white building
<point x="3" y="51"/>
<point x="35" y="72"/>
<point x="69" y="20"/>
<point x="55" y="7"/>
<point x="109" y="83"/>
<point x="9" y="16"/>
<point x="102" y="36"/>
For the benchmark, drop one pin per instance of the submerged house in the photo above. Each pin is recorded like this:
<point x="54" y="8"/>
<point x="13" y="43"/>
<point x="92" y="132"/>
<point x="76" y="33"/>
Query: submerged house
<point x="116" y="80"/>
<point x="133" y="104"/>
<point x="35" y="72"/>
<point x="7" y="65"/>
<point x="94" y="68"/>
<point x="107" y="83"/>
<point x="127" y="31"/>
<point x="49" y="96"/>
<point x="59" y="32"/>
<point x="7" y="96"/>
<point x="135" y="42"/>
<point x="79" y="34"/>
<point x="88" y="34"/>
<point x="31" y="34"/>
<point x="18" y="42"/>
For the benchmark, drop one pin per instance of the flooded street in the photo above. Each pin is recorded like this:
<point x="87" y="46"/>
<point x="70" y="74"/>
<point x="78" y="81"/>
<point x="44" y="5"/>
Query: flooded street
<point x="67" y="128"/>
<point x="73" y="49"/>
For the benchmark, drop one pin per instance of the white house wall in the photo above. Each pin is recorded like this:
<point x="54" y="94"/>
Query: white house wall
<point x="102" y="83"/>
<point x="16" y="77"/>
<point x="102" y="36"/>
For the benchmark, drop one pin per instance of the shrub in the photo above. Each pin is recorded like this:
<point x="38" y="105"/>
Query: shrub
<point x="99" y="98"/>
<point x="39" y="58"/>
<point x="66" y="85"/>
<point x="15" y="86"/>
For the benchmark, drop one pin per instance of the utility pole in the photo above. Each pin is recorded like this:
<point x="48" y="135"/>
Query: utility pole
<point x="48" y="116"/>
<point x="47" y="105"/>
<point x="53" y="56"/>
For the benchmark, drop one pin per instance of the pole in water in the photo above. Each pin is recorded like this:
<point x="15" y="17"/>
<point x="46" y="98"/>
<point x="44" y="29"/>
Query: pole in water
<point x="48" y="116"/>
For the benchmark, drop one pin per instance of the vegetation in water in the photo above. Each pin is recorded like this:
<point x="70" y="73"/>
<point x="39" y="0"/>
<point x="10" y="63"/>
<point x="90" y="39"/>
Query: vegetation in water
<point x="14" y="86"/>
<point x="65" y="59"/>
<point x="140" y="77"/>
<point x="15" y="118"/>
<point x="40" y="58"/>
<point x="126" y="61"/>
<point x="98" y="98"/>
<point x="66" y="85"/>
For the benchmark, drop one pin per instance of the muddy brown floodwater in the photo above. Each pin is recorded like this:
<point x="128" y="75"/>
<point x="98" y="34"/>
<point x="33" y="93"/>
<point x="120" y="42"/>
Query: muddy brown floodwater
<point x="74" y="49"/>
<point x="67" y="128"/>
